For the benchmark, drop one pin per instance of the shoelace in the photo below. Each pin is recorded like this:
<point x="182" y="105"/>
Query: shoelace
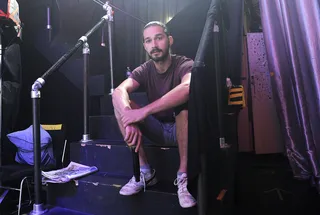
<point x="181" y="183"/>
<point x="142" y="178"/>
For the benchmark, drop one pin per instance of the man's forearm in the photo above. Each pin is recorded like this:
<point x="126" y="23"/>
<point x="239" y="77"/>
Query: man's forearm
<point x="177" y="96"/>
<point x="120" y="100"/>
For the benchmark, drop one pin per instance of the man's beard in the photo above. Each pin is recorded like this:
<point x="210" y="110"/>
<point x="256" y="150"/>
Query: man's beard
<point x="160" y="58"/>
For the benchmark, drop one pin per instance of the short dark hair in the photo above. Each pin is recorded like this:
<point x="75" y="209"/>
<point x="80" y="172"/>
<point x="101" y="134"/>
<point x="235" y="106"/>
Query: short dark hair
<point x="157" y="23"/>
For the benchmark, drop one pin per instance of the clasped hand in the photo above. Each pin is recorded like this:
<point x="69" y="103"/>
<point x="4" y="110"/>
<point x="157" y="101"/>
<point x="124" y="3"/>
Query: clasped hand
<point x="133" y="136"/>
<point x="133" y="133"/>
<point x="133" y="116"/>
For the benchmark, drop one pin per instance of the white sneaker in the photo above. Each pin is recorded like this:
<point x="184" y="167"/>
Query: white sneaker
<point x="133" y="187"/>
<point x="186" y="200"/>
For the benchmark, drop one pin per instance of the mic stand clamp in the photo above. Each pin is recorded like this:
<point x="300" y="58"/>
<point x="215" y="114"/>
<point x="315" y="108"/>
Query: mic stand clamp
<point x="109" y="10"/>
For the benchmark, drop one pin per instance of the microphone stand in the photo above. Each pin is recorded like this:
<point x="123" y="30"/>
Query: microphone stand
<point x="109" y="8"/>
<point x="135" y="156"/>
<point x="38" y="207"/>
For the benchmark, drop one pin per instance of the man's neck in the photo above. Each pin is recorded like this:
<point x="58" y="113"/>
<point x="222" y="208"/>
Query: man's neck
<point x="163" y="66"/>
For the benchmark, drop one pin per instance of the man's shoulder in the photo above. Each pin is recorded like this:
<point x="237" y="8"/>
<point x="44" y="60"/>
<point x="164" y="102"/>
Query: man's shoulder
<point x="182" y="59"/>
<point x="145" y="65"/>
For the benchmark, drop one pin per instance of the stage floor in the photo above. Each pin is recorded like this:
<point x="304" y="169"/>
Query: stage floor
<point x="256" y="176"/>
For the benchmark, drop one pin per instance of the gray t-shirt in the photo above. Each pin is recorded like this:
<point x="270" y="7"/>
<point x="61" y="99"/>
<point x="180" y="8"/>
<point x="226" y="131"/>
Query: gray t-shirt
<point x="156" y="85"/>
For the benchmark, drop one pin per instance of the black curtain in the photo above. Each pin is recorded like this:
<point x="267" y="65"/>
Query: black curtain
<point x="11" y="87"/>
<point x="222" y="59"/>
<point x="186" y="28"/>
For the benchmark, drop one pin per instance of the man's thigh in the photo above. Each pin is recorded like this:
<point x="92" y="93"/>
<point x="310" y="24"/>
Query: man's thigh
<point x="158" y="132"/>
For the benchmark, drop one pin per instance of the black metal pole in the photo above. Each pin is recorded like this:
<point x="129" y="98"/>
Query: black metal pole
<point x="37" y="148"/>
<point x="220" y="128"/>
<point x="136" y="164"/>
<point x="35" y="96"/>
<point x="86" y="53"/>
<point x="198" y="65"/>
<point x="38" y="207"/>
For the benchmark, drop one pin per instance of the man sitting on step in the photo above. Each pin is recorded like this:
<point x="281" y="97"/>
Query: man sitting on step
<point x="166" y="79"/>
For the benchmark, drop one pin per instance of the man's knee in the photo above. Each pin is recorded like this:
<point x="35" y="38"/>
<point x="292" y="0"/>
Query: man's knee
<point x="116" y="114"/>
<point x="183" y="115"/>
<point x="181" y="108"/>
<point x="132" y="104"/>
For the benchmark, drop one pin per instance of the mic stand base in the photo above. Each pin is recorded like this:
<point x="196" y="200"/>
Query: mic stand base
<point x="38" y="209"/>
<point x="85" y="138"/>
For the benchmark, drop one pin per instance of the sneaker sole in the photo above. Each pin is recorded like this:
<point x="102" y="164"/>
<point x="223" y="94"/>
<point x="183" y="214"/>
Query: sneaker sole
<point x="149" y="184"/>
<point x="188" y="206"/>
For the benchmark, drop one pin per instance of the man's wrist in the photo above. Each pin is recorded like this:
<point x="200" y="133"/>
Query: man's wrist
<point x="127" y="108"/>
<point x="146" y="110"/>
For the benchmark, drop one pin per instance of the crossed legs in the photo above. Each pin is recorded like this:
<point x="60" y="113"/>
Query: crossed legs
<point x="142" y="155"/>
<point x="181" y="136"/>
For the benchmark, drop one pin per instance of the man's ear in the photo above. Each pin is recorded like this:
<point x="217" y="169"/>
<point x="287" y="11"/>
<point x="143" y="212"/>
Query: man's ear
<point x="170" y="40"/>
<point x="144" y="46"/>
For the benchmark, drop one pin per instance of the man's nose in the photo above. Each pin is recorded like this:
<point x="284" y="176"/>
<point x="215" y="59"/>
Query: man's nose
<point x="154" y="44"/>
